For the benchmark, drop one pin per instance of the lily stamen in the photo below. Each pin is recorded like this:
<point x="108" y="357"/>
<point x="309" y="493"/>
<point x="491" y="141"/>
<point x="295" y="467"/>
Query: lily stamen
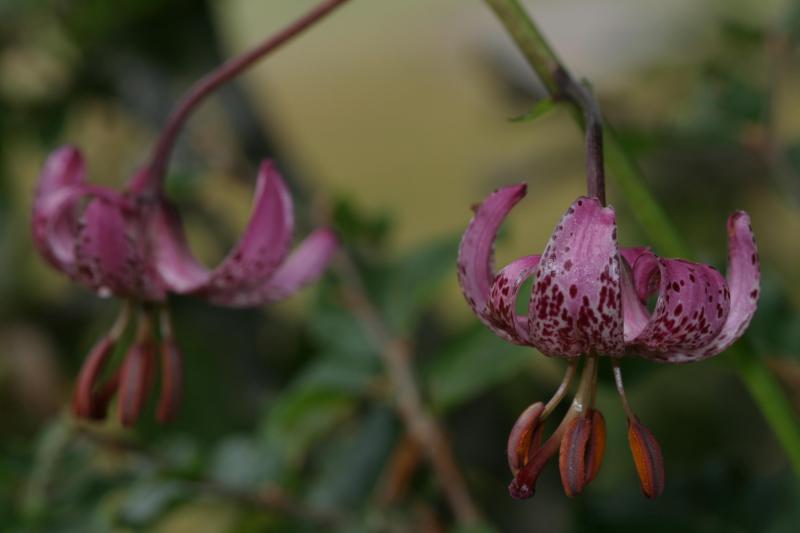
<point x="646" y="451"/>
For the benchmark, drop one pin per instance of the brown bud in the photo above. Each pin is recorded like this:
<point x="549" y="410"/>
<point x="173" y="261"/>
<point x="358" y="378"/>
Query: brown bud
<point x="84" y="400"/>
<point x="581" y="452"/>
<point x="647" y="458"/>
<point x="134" y="377"/>
<point x="171" y="381"/>
<point x="525" y="437"/>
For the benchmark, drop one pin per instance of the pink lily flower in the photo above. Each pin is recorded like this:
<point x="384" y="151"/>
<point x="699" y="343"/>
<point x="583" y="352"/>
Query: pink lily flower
<point x="589" y="299"/>
<point x="131" y="244"/>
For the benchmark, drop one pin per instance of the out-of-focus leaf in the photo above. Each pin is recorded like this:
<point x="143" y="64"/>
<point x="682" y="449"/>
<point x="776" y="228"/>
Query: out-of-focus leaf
<point x="241" y="463"/>
<point x="742" y="34"/>
<point x="414" y="280"/>
<point x="148" y="500"/>
<point x="302" y="415"/>
<point x="350" y="465"/>
<point x="355" y="225"/>
<point x="541" y="108"/>
<point x="472" y="364"/>
<point x="481" y="527"/>
<point x="338" y="331"/>
<point x="775" y="329"/>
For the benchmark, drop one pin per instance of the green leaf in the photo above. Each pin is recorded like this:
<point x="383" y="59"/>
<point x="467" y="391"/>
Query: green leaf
<point x="301" y="416"/>
<point x="351" y="464"/>
<point x="541" y="108"/>
<point x="474" y="363"/>
<point x="412" y="284"/>
<point x="148" y="500"/>
<point x="240" y="462"/>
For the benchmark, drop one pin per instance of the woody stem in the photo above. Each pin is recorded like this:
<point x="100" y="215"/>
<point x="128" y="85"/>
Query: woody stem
<point x="152" y="178"/>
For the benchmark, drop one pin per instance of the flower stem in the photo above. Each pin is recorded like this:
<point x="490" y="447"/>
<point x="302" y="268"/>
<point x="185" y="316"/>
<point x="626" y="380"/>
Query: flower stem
<point x="420" y="423"/>
<point x="569" y="374"/>
<point x="151" y="179"/>
<point x="761" y="384"/>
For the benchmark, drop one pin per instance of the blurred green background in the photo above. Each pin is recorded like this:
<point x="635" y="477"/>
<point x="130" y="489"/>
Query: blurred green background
<point x="396" y="114"/>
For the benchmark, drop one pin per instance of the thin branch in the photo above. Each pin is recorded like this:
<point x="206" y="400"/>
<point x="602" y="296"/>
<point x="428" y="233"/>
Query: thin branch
<point x="420" y="423"/>
<point x="200" y="90"/>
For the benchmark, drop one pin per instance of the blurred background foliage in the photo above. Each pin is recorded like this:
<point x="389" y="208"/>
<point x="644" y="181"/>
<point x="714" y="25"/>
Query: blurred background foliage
<point x="396" y="115"/>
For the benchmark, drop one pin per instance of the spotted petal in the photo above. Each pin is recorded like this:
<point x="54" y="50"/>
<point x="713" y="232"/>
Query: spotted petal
<point x="744" y="282"/>
<point x="576" y="303"/>
<point x="692" y="307"/>
<point x="110" y="253"/>
<point x="643" y="270"/>
<point x="303" y="266"/>
<point x="475" y="254"/>
<point x="252" y="261"/>
<point x="501" y="310"/>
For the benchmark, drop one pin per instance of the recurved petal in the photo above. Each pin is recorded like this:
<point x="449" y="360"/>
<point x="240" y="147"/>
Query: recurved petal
<point x="644" y="269"/>
<point x="55" y="217"/>
<point x="501" y="312"/>
<point x="303" y="266"/>
<point x="575" y="307"/>
<point x="475" y="254"/>
<point x="252" y="261"/>
<point x="744" y="282"/>
<point x="693" y="305"/>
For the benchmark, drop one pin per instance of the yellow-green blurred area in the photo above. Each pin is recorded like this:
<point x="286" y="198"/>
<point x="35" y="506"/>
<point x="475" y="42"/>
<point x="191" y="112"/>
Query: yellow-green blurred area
<point x="391" y="118"/>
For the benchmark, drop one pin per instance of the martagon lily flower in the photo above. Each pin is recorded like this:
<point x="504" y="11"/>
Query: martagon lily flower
<point x="131" y="244"/>
<point x="589" y="299"/>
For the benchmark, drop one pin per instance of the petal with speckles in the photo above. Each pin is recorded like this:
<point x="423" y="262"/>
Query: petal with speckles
<point x="253" y="260"/>
<point x="501" y="312"/>
<point x="108" y="256"/>
<point x="576" y="303"/>
<point x="475" y="254"/>
<point x="744" y="283"/>
<point x="644" y="269"/>
<point x="303" y="266"/>
<point x="692" y="307"/>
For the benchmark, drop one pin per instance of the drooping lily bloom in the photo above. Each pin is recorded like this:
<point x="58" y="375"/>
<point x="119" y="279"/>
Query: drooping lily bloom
<point x="589" y="298"/>
<point x="131" y="244"/>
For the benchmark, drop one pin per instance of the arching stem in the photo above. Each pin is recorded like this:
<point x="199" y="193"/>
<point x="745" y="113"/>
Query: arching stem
<point x="150" y="180"/>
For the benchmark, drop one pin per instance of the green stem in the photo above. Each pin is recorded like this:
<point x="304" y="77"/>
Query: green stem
<point x="763" y="386"/>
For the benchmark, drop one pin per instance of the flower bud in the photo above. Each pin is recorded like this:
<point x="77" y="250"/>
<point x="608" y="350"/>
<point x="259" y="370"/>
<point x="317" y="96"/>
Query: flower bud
<point x="581" y="452"/>
<point x="525" y="437"/>
<point x="647" y="458"/>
